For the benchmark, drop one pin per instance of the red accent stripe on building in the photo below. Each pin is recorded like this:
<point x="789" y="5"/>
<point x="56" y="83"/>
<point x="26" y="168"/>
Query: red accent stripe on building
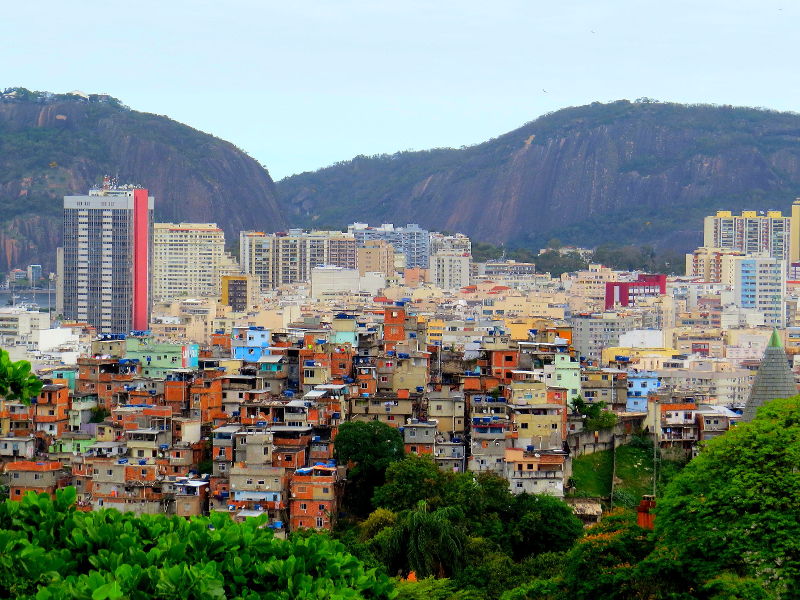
<point x="141" y="260"/>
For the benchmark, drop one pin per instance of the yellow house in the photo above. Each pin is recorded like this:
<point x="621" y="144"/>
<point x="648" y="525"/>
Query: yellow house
<point x="436" y="329"/>
<point x="609" y="354"/>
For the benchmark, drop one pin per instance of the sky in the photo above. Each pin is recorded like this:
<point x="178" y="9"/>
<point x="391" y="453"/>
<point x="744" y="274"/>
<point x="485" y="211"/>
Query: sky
<point x="300" y="85"/>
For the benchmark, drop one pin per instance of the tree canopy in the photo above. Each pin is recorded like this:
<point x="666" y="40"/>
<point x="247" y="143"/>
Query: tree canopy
<point x="50" y="551"/>
<point x="734" y="509"/>
<point x="16" y="380"/>
<point x="370" y="447"/>
<point x="409" y="481"/>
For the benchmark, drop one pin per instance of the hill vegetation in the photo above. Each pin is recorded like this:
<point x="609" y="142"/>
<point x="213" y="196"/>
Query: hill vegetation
<point x="57" y="145"/>
<point x="640" y="172"/>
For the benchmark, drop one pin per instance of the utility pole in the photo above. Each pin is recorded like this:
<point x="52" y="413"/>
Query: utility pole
<point x="655" y="446"/>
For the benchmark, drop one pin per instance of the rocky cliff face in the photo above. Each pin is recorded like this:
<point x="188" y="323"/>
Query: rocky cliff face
<point x="51" y="147"/>
<point x="621" y="172"/>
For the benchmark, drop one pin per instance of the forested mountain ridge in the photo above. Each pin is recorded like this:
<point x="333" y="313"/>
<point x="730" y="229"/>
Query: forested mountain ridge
<point x="624" y="172"/>
<point x="56" y="145"/>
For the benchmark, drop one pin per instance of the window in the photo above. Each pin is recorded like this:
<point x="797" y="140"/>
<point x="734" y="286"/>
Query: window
<point x="321" y="506"/>
<point x="320" y="522"/>
<point x="260" y="482"/>
<point x="287" y="457"/>
<point x="326" y="490"/>
<point x="555" y="426"/>
<point x="302" y="506"/>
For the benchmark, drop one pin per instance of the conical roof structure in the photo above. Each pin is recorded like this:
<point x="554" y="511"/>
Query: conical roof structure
<point x="773" y="380"/>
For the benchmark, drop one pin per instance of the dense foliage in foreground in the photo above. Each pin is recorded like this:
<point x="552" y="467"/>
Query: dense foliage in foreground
<point x="50" y="551"/>
<point x="727" y="528"/>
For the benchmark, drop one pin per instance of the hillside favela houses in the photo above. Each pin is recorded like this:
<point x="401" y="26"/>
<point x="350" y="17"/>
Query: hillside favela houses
<point x="182" y="379"/>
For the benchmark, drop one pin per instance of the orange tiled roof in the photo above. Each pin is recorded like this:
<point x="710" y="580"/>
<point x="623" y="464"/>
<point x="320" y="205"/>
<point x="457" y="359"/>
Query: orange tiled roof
<point x="29" y="465"/>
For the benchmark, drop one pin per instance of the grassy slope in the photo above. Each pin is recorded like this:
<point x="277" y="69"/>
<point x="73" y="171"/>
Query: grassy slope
<point x="592" y="472"/>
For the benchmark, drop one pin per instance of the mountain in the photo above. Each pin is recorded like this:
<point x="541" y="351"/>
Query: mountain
<point x="56" y="145"/>
<point x="640" y="172"/>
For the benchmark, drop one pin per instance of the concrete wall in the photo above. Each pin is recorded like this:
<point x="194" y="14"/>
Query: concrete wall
<point x="585" y="442"/>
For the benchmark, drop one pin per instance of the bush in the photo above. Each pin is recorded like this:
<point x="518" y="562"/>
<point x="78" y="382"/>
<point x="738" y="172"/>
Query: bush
<point x="50" y="550"/>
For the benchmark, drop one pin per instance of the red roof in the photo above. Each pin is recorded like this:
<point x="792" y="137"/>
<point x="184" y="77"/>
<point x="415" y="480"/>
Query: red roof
<point x="29" y="465"/>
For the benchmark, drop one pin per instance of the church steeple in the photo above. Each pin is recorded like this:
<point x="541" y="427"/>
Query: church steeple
<point x="773" y="380"/>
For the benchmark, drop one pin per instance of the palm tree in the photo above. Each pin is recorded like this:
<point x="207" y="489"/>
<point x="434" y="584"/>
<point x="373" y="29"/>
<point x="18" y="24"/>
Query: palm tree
<point x="428" y="543"/>
<point x="16" y="380"/>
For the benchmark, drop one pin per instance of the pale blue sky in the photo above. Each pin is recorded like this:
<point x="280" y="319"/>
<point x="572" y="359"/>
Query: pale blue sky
<point x="300" y="85"/>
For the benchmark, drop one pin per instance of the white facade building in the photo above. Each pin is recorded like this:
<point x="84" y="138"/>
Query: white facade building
<point x="450" y="270"/>
<point x="189" y="260"/>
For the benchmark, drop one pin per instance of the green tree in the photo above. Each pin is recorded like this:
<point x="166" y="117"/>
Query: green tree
<point x="595" y="417"/>
<point x="486" y="502"/>
<point x="603" y="563"/>
<point x="409" y="481"/>
<point x="16" y="380"/>
<point x="369" y="447"/>
<point x="542" y="524"/>
<point x="431" y="588"/>
<point x="377" y="521"/>
<point x="50" y="551"/>
<point x="734" y="508"/>
<point x="99" y="414"/>
<point x="430" y="543"/>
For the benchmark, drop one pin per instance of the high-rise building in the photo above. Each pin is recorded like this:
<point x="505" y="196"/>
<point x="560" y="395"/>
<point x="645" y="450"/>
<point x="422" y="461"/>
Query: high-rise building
<point x="34" y="274"/>
<point x="759" y="284"/>
<point x="591" y="333"/>
<point x="376" y="256"/>
<point x="706" y="263"/>
<point x="412" y="241"/>
<point x="104" y="266"/>
<point x="450" y="270"/>
<point x="287" y="258"/>
<point x="751" y="232"/>
<point x="189" y="260"/>
<point x="239" y="291"/>
<point x="441" y="242"/>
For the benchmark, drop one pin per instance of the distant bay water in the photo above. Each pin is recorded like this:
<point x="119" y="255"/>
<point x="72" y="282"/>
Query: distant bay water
<point x="39" y="297"/>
